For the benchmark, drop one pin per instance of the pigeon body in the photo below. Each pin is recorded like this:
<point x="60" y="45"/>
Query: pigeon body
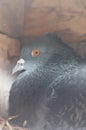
<point x="50" y="91"/>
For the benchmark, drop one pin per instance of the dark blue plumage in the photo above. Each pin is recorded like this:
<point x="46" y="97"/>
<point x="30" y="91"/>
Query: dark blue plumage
<point x="50" y="91"/>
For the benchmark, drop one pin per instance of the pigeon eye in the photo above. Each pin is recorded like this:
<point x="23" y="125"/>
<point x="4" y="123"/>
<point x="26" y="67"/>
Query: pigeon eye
<point x="35" y="53"/>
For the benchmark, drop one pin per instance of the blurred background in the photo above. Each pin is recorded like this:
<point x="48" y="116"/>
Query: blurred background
<point x="28" y="19"/>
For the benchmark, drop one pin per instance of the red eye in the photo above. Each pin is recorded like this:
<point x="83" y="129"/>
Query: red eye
<point x="35" y="53"/>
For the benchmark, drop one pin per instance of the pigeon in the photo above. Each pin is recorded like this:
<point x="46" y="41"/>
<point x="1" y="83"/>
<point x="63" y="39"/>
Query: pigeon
<point x="49" y="92"/>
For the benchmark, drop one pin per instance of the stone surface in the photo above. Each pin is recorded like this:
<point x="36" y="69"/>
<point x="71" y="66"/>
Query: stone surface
<point x="44" y="16"/>
<point x="11" y="17"/>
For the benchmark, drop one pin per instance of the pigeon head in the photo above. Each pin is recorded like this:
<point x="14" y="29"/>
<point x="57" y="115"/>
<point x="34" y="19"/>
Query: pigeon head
<point x="41" y="51"/>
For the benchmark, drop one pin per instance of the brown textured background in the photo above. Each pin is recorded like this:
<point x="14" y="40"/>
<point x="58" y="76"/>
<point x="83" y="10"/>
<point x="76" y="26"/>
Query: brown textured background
<point x="32" y="18"/>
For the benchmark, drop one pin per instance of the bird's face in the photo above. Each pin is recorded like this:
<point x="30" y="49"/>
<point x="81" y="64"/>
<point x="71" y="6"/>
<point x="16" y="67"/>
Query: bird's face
<point x="35" y="54"/>
<point x="46" y="49"/>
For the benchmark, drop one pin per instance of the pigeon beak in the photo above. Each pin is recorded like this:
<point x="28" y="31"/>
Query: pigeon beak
<point x="19" y="67"/>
